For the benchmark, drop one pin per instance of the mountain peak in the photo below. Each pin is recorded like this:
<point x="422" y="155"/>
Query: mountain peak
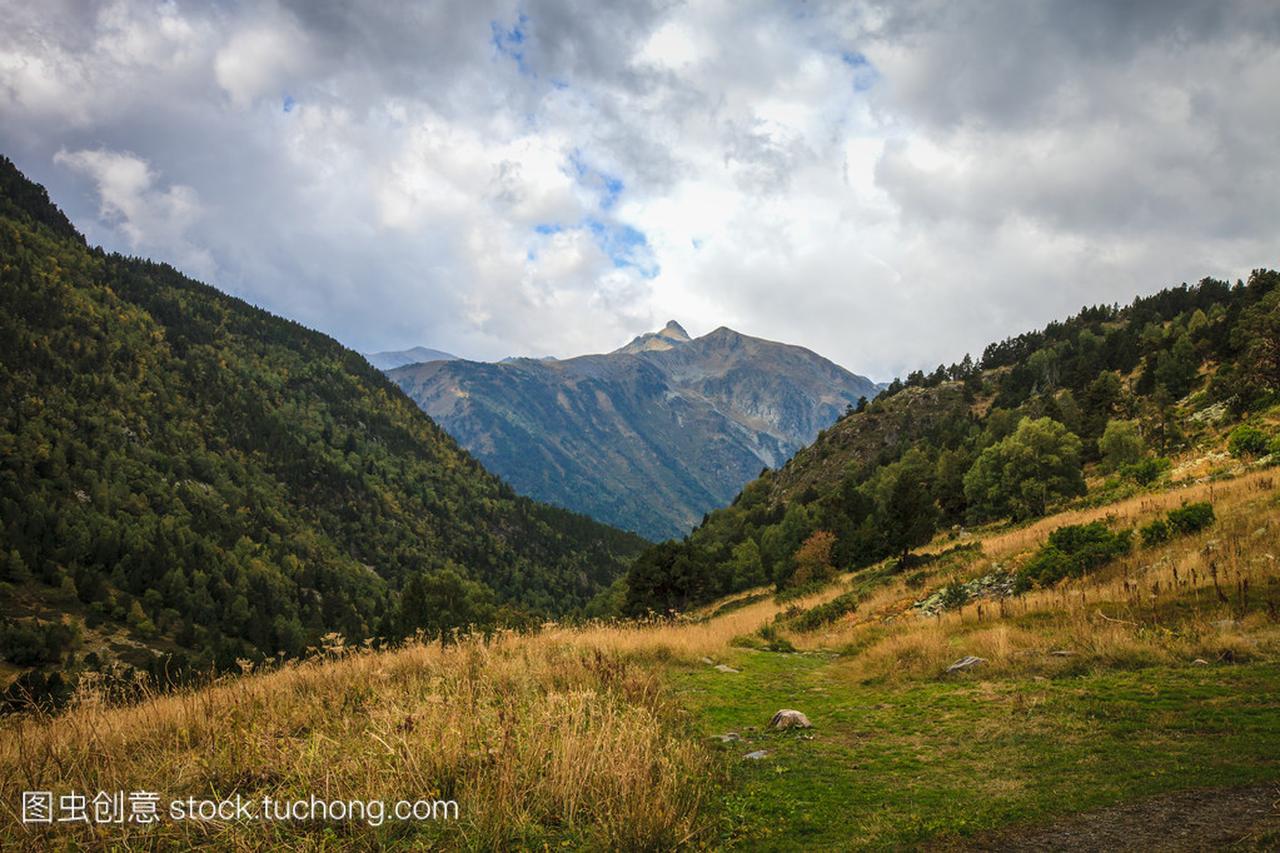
<point x="673" y="331"/>
<point x="663" y="339"/>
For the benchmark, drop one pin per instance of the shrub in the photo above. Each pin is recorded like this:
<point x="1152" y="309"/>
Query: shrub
<point x="1146" y="471"/>
<point x="1185" y="520"/>
<point x="774" y="641"/>
<point x="1191" y="518"/>
<point x="827" y="612"/>
<point x="1156" y="532"/>
<point x="1246" y="440"/>
<point x="1072" y="551"/>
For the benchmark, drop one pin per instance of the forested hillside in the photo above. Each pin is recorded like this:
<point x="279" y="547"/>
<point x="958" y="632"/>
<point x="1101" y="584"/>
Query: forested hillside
<point x="1112" y="392"/>
<point x="181" y="470"/>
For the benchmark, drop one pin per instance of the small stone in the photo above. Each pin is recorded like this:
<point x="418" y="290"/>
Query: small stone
<point x="789" y="719"/>
<point x="965" y="663"/>
<point x="708" y="661"/>
<point x="1224" y="624"/>
<point x="729" y="737"/>
<point x="757" y="755"/>
<point x="1200" y="662"/>
<point x="724" y="667"/>
<point x="1062" y="653"/>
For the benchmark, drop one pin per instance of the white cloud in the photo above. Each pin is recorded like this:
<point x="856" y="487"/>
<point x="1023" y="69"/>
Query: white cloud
<point x="890" y="184"/>
<point x="152" y="220"/>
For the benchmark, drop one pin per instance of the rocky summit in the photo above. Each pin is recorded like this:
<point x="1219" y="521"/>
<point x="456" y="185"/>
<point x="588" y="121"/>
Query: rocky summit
<point x="648" y="437"/>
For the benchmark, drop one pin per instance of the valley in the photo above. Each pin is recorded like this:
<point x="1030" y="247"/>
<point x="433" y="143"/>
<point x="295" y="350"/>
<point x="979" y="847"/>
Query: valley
<point x="1138" y="685"/>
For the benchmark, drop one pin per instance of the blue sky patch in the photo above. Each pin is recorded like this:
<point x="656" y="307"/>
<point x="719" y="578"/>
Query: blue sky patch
<point x="625" y="246"/>
<point x="509" y="42"/>
<point x="609" y="187"/>
<point x="865" y="74"/>
<point x="289" y="103"/>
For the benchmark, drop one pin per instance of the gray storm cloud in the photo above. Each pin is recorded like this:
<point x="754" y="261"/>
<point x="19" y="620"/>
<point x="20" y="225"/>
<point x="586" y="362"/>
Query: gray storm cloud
<point x="890" y="184"/>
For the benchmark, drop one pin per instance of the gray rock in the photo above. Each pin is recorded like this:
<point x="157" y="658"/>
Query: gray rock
<point x="1062" y="653"/>
<point x="967" y="662"/>
<point x="789" y="719"/>
<point x="729" y="737"/>
<point x="724" y="667"/>
<point x="1200" y="662"/>
<point x="708" y="661"/>
<point x="757" y="755"/>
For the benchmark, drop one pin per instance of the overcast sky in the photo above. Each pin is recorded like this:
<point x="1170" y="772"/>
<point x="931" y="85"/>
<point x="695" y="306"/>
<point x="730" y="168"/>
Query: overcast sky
<point x="891" y="185"/>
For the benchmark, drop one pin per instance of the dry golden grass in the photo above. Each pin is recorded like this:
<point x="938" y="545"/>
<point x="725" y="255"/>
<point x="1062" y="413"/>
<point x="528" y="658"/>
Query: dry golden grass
<point x="1223" y="494"/>
<point x="530" y="735"/>
<point x="1213" y="596"/>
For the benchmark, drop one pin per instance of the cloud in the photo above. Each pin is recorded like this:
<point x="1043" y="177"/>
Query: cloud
<point x="152" y="220"/>
<point x="892" y="184"/>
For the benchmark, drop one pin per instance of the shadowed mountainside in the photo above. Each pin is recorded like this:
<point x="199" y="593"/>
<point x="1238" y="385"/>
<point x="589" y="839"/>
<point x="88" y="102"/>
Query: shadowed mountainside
<point x="649" y="437"/>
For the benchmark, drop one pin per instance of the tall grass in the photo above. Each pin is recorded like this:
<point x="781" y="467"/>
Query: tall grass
<point x="534" y="737"/>
<point x="1214" y="597"/>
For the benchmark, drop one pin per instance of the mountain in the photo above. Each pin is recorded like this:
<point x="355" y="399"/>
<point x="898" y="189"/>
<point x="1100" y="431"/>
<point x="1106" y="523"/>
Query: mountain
<point x="392" y="359"/>
<point x="1077" y="414"/>
<point x="668" y="337"/>
<point x="649" y="437"/>
<point x="181" y="470"/>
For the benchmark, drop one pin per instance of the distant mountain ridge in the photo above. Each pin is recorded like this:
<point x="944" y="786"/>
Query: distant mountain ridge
<point x="648" y="437"/>
<point x="391" y="359"/>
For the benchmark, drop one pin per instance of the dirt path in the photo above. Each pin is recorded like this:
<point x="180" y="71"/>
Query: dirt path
<point x="1222" y="819"/>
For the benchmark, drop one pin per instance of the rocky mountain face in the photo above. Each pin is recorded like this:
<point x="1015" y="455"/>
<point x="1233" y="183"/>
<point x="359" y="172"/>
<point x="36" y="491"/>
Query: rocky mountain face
<point x="392" y="359"/>
<point x="649" y="437"/>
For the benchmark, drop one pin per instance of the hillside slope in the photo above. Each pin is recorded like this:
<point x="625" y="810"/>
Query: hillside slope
<point x="185" y="471"/>
<point x="649" y="437"/>
<point x="1112" y="391"/>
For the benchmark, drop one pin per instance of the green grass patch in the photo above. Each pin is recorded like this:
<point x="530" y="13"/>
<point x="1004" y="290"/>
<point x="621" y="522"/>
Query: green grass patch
<point x="898" y="765"/>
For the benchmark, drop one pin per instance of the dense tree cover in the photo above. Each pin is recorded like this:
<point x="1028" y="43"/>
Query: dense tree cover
<point x="1003" y="437"/>
<point x="1023" y="473"/>
<point x="176" y="460"/>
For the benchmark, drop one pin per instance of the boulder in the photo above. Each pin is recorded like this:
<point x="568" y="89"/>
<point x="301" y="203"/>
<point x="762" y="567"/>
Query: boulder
<point x="967" y="662"/>
<point x="789" y="719"/>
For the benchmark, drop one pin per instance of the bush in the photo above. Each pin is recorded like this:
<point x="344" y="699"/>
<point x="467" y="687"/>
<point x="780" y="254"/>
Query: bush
<point x="1156" y="533"/>
<point x="1246" y="440"/>
<point x="954" y="595"/>
<point x="827" y="612"/>
<point x="1191" y="518"/>
<point x="1183" y="521"/>
<point x="1072" y="551"/>
<point x="1146" y="471"/>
